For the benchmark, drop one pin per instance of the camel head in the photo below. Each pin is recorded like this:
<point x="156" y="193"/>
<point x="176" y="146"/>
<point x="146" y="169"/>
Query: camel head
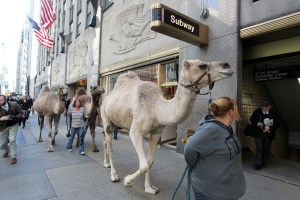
<point x="198" y="74"/>
<point x="96" y="91"/>
<point x="63" y="91"/>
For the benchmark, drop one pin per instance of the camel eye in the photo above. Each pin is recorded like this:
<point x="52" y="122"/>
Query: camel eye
<point x="202" y="66"/>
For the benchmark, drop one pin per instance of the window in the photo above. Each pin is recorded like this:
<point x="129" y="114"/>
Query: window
<point x="108" y="3"/>
<point x="89" y="13"/>
<point x="78" y="27"/>
<point x="79" y="6"/>
<point x="71" y="22"/>
<point x="165" y="75"/>
<point x="63" y="17"/>
<point x="57" y="44"/>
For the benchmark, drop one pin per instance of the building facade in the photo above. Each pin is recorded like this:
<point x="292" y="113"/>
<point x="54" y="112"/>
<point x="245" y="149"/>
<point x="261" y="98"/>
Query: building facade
<point x="96" y="41"/>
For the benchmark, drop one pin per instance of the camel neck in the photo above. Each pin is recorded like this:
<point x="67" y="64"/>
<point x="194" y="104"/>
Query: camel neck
<point x="176" y="110"/>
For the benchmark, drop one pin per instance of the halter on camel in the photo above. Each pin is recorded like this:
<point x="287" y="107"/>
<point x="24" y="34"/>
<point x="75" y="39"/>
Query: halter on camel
<point x="193" y="87"/>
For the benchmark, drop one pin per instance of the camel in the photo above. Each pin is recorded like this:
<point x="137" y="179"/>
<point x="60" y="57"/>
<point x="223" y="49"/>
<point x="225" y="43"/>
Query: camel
<point x="140" y="107"/>
<point x="50" y="106"/>
<point x="90" y="104"/>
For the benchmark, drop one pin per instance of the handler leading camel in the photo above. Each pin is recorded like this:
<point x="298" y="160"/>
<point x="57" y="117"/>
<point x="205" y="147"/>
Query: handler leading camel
<point x="140" y="107"/>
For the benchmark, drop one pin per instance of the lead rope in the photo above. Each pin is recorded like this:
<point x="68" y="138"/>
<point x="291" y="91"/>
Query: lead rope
<point x="188" y="170"/>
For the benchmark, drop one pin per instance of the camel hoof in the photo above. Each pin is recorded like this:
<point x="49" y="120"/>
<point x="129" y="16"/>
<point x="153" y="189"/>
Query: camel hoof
<point x="114" y="178"/>
<point x="107" y="165"/>
<point x="50" y="149"/>
<point x="40" y="140"/>
<point x="151" y="190"/>
<point x="127" y="181"/>
<point x="95" y="149"/>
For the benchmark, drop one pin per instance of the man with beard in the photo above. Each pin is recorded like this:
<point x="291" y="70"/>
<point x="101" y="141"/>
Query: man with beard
<point x="10" y="114"/>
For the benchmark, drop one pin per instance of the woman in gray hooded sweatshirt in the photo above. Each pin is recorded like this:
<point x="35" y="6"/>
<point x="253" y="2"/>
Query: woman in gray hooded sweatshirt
<point x="214" y="155"/>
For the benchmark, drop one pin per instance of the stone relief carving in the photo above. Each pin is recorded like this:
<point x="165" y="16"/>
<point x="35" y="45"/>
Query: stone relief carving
<point x="55" y="72"/>
<point x="78" y="61"/>
<point x="132" y="28"/>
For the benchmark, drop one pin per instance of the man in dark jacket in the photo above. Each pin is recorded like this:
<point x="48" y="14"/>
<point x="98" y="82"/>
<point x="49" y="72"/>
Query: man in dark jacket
<point x="10" y="114"/>
<point x="267" y="121"/>
<point x="25" y="106"/>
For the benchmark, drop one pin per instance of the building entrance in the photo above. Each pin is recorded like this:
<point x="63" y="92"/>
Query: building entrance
<point x="277" y="79"/>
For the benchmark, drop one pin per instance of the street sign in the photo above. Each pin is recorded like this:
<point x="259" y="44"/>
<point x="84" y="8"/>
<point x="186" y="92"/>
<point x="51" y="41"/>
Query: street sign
<point x="277" y="74"/>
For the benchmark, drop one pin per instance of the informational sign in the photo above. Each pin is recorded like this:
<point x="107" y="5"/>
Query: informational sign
<point x="277" y="74"/>
<point x="170" y="22"/>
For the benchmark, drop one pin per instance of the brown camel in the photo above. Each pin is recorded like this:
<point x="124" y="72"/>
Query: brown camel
<point x="50" y="106"/>
<point x="139" y="106"/>
<point x="90" y="104"/>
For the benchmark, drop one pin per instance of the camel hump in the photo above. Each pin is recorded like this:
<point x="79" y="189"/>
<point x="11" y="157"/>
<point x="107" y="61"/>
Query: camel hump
<point x="125" y="78"/>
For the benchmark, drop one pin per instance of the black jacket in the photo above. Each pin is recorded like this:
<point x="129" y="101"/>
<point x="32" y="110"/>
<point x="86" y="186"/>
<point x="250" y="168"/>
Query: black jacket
<point x="15" y="113"/>
<point x="259" y="116"/>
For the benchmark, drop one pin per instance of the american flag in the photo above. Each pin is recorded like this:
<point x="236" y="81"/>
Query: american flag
<point x="48" y="16"/>
<point x="41" y="34"/>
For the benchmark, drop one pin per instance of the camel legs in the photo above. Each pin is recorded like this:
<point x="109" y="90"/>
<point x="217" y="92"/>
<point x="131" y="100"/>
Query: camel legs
<point x="49" y="127"/>
<point x="138" y="142"/>
<point x="41" y="123"/>
<point x="56" y="122"/>
<point x="153" y="140"/>
<point x="108" y="156"/>
<point x="93" y="134"/>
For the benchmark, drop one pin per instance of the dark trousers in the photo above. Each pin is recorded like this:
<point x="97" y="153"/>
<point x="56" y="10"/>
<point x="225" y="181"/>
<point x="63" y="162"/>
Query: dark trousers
<point x="263" y="146"/>
<point x="24" y="118"/>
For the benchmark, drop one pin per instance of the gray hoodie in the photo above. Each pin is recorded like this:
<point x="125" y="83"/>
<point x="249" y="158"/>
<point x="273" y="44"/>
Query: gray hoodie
<point x="214" y="154"/>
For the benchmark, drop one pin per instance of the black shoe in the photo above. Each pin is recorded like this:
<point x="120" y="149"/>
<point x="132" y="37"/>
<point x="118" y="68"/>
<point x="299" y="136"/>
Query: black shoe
<point x="23" y="127"/>
<point x="257" y="167"/>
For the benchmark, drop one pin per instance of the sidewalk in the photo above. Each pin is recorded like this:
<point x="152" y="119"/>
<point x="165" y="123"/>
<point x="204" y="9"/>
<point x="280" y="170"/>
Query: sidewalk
<point x="61" y="175"/>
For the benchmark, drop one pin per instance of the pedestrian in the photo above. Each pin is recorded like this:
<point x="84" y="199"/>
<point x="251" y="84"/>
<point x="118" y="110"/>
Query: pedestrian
<point x="116" y="131"/>
<point x="76" y="112"/>
<point x="10" y="113"/>
<point x="268" y="121"/>
<point x="25" y="106"/>
<point x="213" y="154"/>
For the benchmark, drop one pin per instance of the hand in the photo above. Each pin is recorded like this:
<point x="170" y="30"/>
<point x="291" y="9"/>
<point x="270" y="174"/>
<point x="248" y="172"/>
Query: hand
<point x="5" y="118"/>
<point x="260" y="124"/>
<point x="267" y="129"/>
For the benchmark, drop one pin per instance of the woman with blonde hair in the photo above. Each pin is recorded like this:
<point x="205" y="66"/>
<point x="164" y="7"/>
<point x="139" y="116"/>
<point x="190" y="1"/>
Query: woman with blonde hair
<point x="213" y="154"/>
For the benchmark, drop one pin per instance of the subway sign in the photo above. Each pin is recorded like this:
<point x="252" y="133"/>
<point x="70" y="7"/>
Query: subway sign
<point x="277" y="74"/>
<point x="167" y="21"/>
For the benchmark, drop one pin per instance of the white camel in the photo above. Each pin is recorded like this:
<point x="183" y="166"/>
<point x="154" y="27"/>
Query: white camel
<point x="90" y="104"/>
<point x="50" y="106"/>
<point x="139" y="106"/>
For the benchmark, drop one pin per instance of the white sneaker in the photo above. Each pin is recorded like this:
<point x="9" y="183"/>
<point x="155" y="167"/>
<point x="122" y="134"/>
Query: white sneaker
<point x="70" y="150"/>
<point x="82" y="153"/>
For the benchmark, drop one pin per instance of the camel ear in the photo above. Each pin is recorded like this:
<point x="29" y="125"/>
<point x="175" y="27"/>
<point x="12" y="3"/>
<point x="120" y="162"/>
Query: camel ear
<point x="186" y="63"/>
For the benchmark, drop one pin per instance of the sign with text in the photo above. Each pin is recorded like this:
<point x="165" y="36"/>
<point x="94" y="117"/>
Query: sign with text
<point x="167" y="21"/>
<point x="277" y="74"/>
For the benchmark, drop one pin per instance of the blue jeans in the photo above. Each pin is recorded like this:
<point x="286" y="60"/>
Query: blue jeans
<point x="81" y="138"/>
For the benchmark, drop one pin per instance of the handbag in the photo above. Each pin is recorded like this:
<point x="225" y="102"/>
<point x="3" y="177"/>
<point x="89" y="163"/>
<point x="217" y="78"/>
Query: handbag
<point x="252" y="130"/>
